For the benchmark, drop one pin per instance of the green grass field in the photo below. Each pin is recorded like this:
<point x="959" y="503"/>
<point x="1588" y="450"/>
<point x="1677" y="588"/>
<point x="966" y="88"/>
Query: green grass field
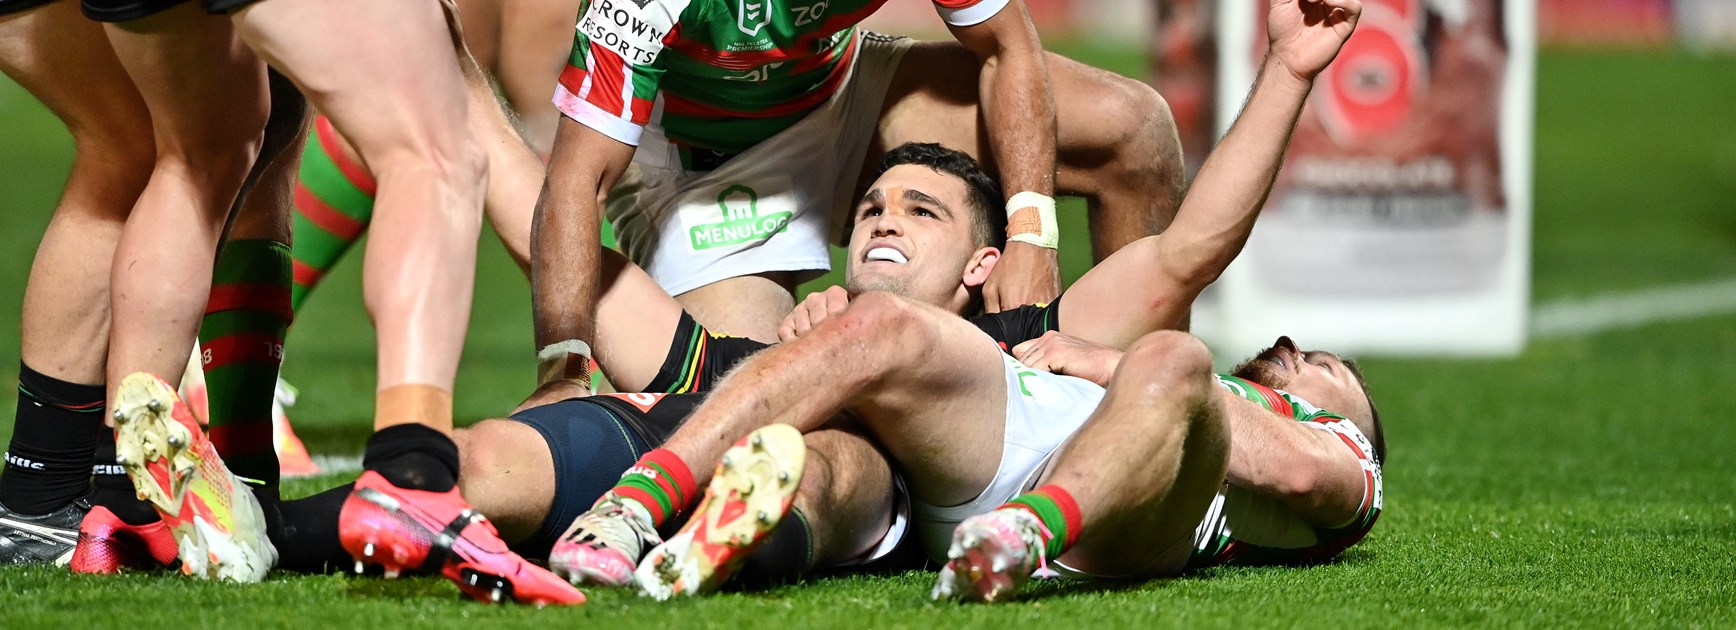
<point x="1587" y="482"/>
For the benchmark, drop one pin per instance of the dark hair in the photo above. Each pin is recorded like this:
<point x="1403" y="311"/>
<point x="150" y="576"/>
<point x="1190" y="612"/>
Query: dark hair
<point x="988" y="219"/>
<point x="1374" y="432"/>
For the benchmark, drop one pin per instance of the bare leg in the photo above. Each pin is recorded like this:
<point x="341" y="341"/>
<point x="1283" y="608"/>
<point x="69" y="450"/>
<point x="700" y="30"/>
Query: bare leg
<point x="919" y="369"/>
<point x="58" y="55"/>
<point x="509" y="474"/>
<point x="1147" y="464"/>
<point x="208" y="103"/>
<point x="745" y="306"/>
<point x="1116" y="139"/>
<point x="394" y="92"/>
<point x="66" y="300"/>
<point x="264" y="212"/>
<point x="845" y="493"/>
<point x="515" y="174"/>
<point x="845" y="496"/>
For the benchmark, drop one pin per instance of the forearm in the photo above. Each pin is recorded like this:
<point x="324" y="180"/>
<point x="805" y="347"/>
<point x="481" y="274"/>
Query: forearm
<point x="564" y="239"/>
<point x="564" y="262"/>
<point x="1020" y="112"/>
<point x="1283" y="459"/>
<point x="1226" y="196"/>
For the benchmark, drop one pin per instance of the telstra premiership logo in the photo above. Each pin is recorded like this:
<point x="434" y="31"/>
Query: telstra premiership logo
<point x="742" y="221"/>
<point x="750" y="17"/>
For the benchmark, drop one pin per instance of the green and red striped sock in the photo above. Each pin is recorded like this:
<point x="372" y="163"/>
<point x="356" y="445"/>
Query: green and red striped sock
<point x="661" y="482"/>
<point x="334" y="200"/>
<point x="242" y="341"/>
<point x="1058" y="512"/>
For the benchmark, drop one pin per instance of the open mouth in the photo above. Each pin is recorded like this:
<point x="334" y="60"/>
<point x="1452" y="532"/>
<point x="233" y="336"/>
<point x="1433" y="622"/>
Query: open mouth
<point x="886" y="254"/>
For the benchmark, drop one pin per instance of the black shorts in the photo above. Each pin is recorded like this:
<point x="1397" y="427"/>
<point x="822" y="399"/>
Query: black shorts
<point x="592" y="446"/>
<point x="8" y="7"/>
<point x="127" y="10"/>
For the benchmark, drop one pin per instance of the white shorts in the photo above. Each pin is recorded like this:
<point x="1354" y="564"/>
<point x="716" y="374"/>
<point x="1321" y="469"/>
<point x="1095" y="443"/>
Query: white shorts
<point x="1044" y="410"/>
<point x="774" y="207"/>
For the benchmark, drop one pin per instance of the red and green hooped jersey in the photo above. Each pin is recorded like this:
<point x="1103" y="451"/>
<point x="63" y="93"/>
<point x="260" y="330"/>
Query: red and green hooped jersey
<point x="716" y="74"/>
<point x="1246" y="528"/>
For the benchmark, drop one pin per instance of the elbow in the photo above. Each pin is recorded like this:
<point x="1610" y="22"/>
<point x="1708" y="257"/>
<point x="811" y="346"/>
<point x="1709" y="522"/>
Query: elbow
<point x="1301" y="481"/>
<point x="1194" y="274"/>
<point x="1296" y="485"/>
<point x="1198" y="277"/>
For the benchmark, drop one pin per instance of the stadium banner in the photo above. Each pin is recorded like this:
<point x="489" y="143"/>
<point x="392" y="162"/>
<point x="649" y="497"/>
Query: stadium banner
<point x="1400" y="223"/>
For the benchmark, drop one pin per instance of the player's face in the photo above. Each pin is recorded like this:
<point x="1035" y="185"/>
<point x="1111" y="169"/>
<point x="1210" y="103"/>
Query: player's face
<point x="1316" y="376"/>
<point x="912" y="236"/>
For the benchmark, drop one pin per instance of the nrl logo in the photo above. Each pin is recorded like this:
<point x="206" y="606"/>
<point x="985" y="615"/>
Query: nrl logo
<point x="750" y="17"/>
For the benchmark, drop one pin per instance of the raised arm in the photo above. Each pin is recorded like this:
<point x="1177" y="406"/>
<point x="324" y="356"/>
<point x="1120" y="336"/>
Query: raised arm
<point x="1019" y="107"/>
<point x="1150" y="284"/>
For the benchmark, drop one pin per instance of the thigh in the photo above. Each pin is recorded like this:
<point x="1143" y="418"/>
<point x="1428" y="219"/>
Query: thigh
<point x="384" y="71"/>
<point x="935" y="98"/>
<point x="751" y="306"/>
<point x="205" y="90"/>
<point x="64" y="60"/>
<point x="586" y="447"/>
<point x="941" y="413"/>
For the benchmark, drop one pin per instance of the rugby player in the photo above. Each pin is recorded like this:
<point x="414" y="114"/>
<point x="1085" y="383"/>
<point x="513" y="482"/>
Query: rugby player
<point x="919" y="378"/>
<point x="386" y="74"/>
<point x="54" y="52"/>
<point x="737" y="137"/>
<point x="58" y="429"/>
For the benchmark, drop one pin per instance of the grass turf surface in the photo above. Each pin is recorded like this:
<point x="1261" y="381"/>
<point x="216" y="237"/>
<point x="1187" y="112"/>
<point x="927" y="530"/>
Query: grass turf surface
<point x="1587" y="481"/>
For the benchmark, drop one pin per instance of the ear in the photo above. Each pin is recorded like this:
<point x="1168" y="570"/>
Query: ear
<point x="981" y="264"/>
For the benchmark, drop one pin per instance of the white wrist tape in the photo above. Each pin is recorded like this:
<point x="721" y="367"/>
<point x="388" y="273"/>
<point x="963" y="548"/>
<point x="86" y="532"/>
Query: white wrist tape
<point x="570" y="360"/>
<point x="1031" y="219"/>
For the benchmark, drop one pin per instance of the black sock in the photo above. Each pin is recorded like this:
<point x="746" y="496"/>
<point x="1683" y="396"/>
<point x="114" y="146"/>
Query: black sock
<point x="114" y="490"/>
<point x="305" y="531"/>
<point x="787" y="555"/>
<point x="413" y="456"/>
<point x="53" y="439"/>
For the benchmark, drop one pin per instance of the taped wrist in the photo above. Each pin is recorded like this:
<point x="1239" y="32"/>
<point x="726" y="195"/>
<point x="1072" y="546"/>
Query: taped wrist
<point x="1031" y="219"/>
<point x="566" y="360"/>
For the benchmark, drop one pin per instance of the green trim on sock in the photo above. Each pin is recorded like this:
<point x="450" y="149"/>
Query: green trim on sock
<point x="646" y="485"/>
<point x="1051" y="516"/>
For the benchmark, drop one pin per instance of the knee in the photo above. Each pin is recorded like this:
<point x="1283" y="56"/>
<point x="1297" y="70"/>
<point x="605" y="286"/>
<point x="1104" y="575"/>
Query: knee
<point x="487" y="452"/>
<point x="1146" y="150"/>
<point x="114" y="161"/>
<point x="879" y="315"/>
<point x="222" y="152"/>
<point x="1168" y="361"/>
<point x="450" y="158"/>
